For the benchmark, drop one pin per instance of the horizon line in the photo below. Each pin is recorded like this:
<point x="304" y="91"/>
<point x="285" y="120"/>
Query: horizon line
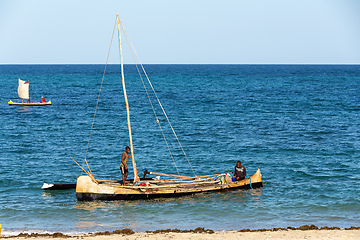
<point x="181" y="63"/>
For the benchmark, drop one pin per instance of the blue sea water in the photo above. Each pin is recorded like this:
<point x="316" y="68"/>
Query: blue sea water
<point x="298" y="123"/>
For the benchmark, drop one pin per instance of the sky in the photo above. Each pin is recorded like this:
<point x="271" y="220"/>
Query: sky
<point x="182" y="32"/>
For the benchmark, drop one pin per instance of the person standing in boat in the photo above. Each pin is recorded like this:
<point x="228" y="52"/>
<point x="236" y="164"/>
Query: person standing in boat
<point x="240" y="171"/>
<point x="123" y="166"/>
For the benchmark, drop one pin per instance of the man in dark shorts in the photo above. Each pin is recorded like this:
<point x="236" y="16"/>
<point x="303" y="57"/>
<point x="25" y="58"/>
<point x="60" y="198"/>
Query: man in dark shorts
<point x="123" y="166"/>
<point x="240" y="171"/>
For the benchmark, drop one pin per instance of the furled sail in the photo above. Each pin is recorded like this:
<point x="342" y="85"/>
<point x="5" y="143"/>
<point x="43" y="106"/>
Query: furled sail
<point x="23" y="89"/>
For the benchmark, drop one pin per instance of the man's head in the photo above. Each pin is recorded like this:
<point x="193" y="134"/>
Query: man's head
<point x="238" y="163"/>
<point x="127" y="149"/>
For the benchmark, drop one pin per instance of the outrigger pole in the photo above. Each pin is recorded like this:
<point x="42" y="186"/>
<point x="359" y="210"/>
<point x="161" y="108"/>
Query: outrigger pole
<point x="136" y="178"/>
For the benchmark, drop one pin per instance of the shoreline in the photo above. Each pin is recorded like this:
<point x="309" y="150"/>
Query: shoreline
<point x="306" y="231"/>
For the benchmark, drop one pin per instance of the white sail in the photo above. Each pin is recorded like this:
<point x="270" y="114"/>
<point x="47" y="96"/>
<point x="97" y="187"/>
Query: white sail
<point x="23" y="89"/>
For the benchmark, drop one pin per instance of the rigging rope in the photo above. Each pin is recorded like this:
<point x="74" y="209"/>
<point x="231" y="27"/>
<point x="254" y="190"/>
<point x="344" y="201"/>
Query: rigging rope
<point x="152" y="106"/>
<point x="97" y="103"/>
<point x="158" y="100"/>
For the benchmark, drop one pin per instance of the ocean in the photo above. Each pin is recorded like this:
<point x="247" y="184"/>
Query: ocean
<point x="298" y="123"/>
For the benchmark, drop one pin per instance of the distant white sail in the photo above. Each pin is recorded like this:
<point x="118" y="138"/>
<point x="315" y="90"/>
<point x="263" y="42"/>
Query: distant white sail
<point x="23" y="89"/>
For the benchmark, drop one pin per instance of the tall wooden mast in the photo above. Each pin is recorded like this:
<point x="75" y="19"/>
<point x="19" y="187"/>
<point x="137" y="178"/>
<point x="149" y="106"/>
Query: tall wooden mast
<point x="136" y="178"/>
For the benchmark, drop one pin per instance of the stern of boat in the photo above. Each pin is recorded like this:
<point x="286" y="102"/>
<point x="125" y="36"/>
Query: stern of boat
<point x="85" y="186"/>
<point x="256" y="179"/>
<point x="89" y="189"/>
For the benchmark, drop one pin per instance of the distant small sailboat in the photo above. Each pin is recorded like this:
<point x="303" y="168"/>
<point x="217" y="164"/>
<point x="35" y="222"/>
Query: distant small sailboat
<point x="23" y="92"/>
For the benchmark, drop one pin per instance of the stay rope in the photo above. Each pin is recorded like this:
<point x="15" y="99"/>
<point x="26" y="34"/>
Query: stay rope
<point x="97" y="103"/>
<point x="132" y="50"/>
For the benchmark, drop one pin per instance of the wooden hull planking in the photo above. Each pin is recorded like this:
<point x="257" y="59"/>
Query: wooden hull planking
<point x="88" y="190"/>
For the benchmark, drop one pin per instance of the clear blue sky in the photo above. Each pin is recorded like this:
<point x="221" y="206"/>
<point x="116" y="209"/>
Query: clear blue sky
<point x="186" y="31"/>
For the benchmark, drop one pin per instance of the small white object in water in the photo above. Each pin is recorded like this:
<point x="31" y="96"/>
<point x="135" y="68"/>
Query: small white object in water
<point x="45" y="186"/>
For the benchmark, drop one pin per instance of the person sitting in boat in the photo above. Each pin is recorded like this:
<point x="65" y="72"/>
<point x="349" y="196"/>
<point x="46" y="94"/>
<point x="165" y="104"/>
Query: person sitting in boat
<point x="43" y="100"/>
<point x="123" y="166"/>
<point x="240" y="171"/>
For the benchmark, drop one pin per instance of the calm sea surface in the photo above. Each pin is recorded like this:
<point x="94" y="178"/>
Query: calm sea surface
<point x="299" y="123"/>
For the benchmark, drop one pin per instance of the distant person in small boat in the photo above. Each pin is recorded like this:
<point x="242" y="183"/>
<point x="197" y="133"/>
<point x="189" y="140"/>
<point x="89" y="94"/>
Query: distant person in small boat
<point x="123" y="166"/>
<point x="240" y="171"/>
<point x="29" y="101"/>
<point x="43" y="100"/>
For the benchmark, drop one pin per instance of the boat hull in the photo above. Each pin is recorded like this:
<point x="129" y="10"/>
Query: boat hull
<point x="30" y="103"/>
<point x="113" y="197"/>
<point x="88" y="190"/>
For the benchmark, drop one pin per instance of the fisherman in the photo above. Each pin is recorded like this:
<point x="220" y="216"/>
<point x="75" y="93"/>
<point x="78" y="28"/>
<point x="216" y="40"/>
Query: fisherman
<point x="123" y="166"/>
<point x="240" y="171"/>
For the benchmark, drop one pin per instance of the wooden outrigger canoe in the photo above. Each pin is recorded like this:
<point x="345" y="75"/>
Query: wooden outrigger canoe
<point x="23" y="92"/>
<point x="89" y="189"/>
<point x="29" y="103"/>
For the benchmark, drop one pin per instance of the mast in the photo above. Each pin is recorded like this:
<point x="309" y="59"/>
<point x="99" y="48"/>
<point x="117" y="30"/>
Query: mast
<point x="136" y="178"/>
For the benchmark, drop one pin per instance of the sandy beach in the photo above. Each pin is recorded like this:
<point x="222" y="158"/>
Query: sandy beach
<point x="292" y="234"/>
<point x="253" y="235"/>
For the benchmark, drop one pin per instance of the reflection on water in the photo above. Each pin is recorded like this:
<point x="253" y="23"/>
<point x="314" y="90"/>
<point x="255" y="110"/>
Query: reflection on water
<point x="142" y="214"/>
<point x="235" y="195"/>
<point x="57" y="193"/>
<point x="46" y="194"/>
<point x="111" y="215"/>
<point x="91" y="206"/>
<point x="83" y="224"/>
<point x="23" y="109"/>
<point x="182" y="212"/>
